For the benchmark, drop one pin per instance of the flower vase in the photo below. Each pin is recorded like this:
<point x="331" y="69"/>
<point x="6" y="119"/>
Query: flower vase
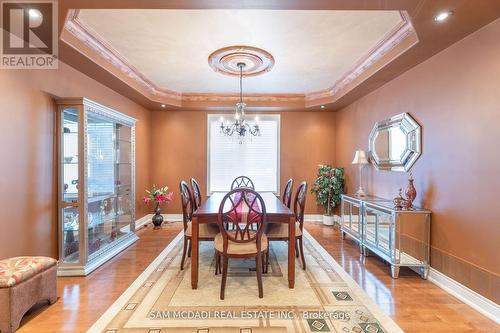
<point x="411" y="192"/>
<point x="157" y="218"/>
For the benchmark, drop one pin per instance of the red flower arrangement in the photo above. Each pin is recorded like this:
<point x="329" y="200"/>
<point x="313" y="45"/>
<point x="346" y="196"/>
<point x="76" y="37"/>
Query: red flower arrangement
<point x="158" y="195"/>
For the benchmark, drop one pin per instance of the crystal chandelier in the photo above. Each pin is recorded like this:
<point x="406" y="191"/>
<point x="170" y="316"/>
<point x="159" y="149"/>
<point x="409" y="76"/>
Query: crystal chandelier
<point x="240" y="127"/>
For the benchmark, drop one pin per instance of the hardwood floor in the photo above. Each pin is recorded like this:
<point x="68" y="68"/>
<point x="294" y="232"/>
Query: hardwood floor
<point x="415" y="304"/>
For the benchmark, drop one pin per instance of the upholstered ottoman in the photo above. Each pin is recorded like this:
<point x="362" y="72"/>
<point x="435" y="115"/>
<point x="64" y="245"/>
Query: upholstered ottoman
<point x="24" y="281"/>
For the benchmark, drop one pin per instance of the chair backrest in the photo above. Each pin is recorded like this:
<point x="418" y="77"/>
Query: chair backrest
<point x="242" y="217"/>
<point x="187" y="203"/>
<point x="242" y="181"/>
<point x="300" y="203"/>
<point x="195" y="187"/>
<point x="287" y="193"/>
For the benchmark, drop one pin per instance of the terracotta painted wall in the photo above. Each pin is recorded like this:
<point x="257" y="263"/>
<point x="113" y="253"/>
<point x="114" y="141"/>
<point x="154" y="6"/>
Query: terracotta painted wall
<point x="180" y="149"/>
<point x="27" y="183"/>
<point x="455" y="97"/>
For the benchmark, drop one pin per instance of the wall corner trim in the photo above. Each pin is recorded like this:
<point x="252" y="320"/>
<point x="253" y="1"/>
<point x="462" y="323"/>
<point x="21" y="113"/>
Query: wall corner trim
<point x="476" y="301"/>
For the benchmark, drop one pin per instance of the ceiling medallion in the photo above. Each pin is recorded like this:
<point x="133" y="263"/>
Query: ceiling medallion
<point x="226" y="60"/>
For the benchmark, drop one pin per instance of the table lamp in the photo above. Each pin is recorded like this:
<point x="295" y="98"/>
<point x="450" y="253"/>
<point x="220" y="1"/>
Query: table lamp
<point x="360" y="160"/>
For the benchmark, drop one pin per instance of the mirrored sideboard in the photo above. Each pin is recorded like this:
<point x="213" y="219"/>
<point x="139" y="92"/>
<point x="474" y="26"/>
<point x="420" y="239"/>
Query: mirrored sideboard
<point x="400" y="237"/>
<point x="96" y="157"/>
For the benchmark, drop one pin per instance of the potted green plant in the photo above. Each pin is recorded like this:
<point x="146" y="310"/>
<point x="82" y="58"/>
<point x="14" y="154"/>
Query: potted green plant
<point x="328" y="187"/>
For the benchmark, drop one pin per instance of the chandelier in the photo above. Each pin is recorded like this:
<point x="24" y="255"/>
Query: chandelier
<point x="240" y="126"/>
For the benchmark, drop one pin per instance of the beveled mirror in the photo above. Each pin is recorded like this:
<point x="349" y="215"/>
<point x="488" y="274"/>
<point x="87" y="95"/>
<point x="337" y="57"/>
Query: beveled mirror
<point x="395" y="143"/>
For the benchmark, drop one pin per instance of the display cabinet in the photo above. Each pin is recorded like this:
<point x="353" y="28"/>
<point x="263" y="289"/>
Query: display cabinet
<point x="96" y="184"/>
<point x="401" y="237"/>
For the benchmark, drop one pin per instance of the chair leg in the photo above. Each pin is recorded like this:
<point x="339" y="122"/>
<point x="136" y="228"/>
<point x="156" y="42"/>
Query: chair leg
<point x="216" y="262"/>
<point x="264" y="260"/>
<point x="302" y="253"/>
<point x="258" y="260"/>
<point x="184" y="252"/>
<point x="189" y="248"/>
<point x="224" y="277"/>
<point x="296" y="248"/>
<point x="267" y="261"/>
<point x="220" y="264"/>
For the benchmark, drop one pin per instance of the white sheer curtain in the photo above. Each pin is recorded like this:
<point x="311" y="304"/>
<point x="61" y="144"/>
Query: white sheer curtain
<point x="257" y="157"/>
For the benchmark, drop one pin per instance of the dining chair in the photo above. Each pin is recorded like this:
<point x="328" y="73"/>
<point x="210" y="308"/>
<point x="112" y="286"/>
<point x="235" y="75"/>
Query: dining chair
<point x="195" y="187"/>
<point x="287" y="193"/>
<point x="244" y="211"/>
<point x="242" y="181"/>
<point x="279" y="231"/>
<point x="207" y="231"/>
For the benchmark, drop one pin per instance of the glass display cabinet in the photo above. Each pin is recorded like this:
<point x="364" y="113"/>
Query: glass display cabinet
<point x="400" y="237"/>
<point x="96" y="184"/>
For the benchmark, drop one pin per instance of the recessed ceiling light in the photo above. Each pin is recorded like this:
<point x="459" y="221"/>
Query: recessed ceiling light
<point x="443" y="16"/>
<point x="34" y="13"/>
<point x="163" y="105"/>
<point x="322" y="106"/>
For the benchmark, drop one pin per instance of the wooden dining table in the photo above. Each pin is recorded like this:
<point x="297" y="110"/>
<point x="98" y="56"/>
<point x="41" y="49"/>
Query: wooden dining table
<point x="276" y="212"/>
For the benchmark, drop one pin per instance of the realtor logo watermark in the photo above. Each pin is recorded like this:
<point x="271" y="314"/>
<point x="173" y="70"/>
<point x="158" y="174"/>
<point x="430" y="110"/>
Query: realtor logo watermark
<point x="29" y="35"/>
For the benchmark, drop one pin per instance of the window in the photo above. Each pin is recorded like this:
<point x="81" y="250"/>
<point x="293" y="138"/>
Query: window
<point x="257" y="157"/>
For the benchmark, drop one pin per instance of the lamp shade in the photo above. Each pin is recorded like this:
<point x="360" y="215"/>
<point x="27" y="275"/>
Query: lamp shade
<point x="360" y="157"/>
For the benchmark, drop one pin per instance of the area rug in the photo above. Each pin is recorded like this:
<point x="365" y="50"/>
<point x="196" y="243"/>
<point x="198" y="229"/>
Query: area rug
<point x="325" y="297"/>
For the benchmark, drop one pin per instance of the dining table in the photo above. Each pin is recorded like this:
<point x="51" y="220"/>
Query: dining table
<point x="276" y="212"/>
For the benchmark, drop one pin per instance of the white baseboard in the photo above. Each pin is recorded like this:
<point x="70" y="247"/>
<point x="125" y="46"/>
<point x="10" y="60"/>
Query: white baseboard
<point x="313" y="218"/>
<point x="317" y="218"/>
<point x="142" y="221"/>
<point x="166" y="217"/>
<point x="178" y="218"/>
<point x="173" y="217"/>
<point x="478" y="302"/>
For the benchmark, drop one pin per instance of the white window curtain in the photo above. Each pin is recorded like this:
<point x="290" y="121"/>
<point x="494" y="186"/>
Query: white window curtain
<point x="257" y="157"/>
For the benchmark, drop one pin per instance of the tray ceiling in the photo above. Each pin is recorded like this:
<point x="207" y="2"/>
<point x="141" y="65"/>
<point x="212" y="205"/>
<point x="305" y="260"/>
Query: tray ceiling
<point x="312" y="49"/>
<point x="328" y="53"/>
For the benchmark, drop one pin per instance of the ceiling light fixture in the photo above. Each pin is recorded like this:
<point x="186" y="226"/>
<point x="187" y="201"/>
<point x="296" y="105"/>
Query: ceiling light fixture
<point x="322" y="106"/>
<point x="443" y="16"/>
<point x="240" y="127"/>
<point x="34" y="13"/>
<point x="163" y="105"/>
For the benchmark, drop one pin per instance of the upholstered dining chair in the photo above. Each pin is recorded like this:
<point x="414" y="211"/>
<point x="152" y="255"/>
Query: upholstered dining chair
<point x="242" y="181"/>
<point x="207" y="231"/>
<point x="279" y="231"/>
<point x="195" y="187"/>
<point x="286" y="198"/>
<point x="241" y="220"/>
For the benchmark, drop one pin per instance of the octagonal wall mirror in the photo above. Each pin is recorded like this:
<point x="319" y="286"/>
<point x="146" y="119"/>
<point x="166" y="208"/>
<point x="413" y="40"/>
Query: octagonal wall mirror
<point x="395" y="143"/>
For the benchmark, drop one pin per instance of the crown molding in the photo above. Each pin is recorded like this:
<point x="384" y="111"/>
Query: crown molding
<point x="402" y="36"/>
<point x="233" y="98"/>
<point x="91" y="39"/>
<point x="393" y="38"/>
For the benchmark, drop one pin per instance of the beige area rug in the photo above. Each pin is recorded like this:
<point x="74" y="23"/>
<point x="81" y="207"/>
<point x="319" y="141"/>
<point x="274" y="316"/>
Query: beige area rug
<point x="325" y="298"/>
